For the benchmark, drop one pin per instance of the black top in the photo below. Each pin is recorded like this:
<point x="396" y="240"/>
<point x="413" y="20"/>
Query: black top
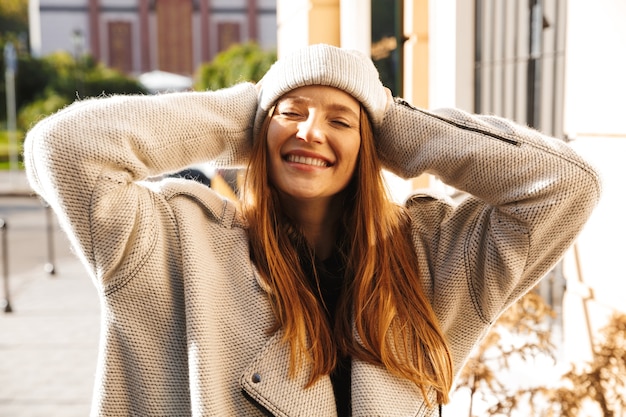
<point x="330" y="280"/>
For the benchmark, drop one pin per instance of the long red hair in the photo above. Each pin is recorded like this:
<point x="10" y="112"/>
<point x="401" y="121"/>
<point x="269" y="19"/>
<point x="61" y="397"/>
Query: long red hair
<point x="384" y="302"/>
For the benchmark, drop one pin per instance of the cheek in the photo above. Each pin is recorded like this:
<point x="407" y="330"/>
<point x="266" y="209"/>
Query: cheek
<point x="273" y="142"/>
<point x="351" y="152"/>
<point x="278" y="132"/>
<point x="273" y="146"/>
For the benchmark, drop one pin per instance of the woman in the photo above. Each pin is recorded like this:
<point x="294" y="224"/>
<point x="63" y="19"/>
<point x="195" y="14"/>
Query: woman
<point x="318" y="296"/>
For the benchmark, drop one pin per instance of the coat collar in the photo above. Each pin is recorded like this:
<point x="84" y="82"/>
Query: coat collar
<point x="267" y="381"/>
<point x="375" y="391"/>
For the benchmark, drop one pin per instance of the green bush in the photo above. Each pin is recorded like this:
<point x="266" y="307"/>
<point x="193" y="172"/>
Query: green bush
<point x="63" y="73"/>
<point x="31" y="79"/>
<point x="99" y="80"/>
<point x="5" y="148"/>
<point x="47" y="84"/>
<point x="40" y="108"/>
<point x="241" y="62"/>
<point x="86" y="78"/>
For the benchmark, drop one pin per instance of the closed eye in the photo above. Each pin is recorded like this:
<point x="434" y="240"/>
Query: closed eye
<point x="341" y="123"/>
<point x="289" y="114"/>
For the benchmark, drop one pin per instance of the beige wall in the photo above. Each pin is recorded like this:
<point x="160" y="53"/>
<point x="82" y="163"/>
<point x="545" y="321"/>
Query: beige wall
<point x="416" y="52"/>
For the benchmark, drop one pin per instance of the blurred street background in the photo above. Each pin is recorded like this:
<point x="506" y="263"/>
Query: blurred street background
<point x="48" y="342"/>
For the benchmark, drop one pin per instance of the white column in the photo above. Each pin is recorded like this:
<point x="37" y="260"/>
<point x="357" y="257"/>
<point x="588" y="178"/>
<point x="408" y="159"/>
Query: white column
<point x="356" y="25"/>
<point x="442" y="71"/>
<point x="305" y="22"/>
<point x="292" y="21"/>
<point x="34" y="28"/>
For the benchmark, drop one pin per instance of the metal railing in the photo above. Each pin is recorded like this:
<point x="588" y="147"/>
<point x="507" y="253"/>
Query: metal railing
<point x="49" y="266"/>
<point x="6" y="301"/>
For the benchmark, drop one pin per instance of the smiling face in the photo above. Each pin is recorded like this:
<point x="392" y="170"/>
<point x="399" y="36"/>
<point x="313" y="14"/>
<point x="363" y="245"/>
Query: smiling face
<point x="313" y="142"/>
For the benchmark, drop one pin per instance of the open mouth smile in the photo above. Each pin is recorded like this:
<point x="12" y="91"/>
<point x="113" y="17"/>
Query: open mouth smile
<point x="307" y="160"/>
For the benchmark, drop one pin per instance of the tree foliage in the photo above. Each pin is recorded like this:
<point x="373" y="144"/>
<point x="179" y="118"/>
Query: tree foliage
<point x="13" y="18"/>
<point x="62" y="79"/>
<point x="241" y="62"/>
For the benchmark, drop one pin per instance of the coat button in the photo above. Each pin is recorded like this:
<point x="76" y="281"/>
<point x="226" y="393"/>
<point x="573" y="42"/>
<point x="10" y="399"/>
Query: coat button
<point x="256" y="378"/>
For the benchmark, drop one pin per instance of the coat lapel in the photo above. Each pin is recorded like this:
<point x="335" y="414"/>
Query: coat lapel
<point x="376" y="392"/>
<point x="266" y="380"/>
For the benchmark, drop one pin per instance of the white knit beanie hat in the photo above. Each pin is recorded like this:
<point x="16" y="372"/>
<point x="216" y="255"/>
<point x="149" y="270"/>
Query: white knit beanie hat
<point x="321" y="64"/>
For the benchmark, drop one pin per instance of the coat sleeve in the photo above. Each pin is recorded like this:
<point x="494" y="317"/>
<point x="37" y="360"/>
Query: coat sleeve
<point x="88" y="160"/>
<point x="529" y="197"/>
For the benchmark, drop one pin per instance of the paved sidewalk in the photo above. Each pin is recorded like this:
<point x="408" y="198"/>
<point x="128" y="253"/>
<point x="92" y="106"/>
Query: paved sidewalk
<point x="13" y="183"/>
<point x="48" y="343"/>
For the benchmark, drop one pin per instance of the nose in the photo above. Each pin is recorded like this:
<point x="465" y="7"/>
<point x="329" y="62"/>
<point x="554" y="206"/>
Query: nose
<point x="311" y="130"/>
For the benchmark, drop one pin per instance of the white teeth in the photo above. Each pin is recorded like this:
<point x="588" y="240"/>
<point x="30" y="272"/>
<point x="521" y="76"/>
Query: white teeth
<point x="306" y="160"/>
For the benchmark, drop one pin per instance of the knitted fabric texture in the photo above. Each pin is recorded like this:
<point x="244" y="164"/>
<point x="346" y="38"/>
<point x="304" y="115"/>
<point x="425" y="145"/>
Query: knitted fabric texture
<point x="321" y="64"/>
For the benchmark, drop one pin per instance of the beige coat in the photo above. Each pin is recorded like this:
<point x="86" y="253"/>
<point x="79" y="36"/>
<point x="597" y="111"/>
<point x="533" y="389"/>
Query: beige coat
<point x="185" y="316"/>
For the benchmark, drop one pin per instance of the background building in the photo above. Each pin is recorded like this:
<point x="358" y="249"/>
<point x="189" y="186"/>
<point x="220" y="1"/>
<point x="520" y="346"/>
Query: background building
<point x="137" y="36"/>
